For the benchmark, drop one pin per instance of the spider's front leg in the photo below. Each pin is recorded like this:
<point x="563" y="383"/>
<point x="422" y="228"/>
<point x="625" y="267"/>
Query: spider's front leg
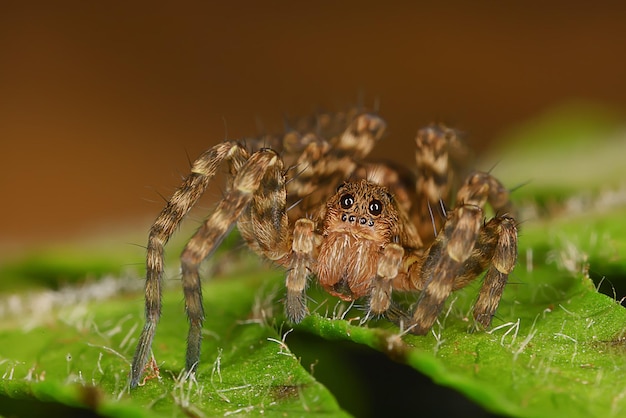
<point x="463" y="249"/>
<point x="246" y="185"/>
<point x="203" y="170"/>
<point x="248" y="172"/>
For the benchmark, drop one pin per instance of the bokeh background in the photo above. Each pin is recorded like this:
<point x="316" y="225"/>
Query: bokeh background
<point x="103" y="103"/>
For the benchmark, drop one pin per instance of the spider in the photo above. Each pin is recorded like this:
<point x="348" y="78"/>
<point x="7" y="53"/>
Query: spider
<point x="310" y="202"/>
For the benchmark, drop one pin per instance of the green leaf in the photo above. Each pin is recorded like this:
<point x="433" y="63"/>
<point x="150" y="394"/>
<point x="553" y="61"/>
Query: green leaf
<point x="80" y="355"/>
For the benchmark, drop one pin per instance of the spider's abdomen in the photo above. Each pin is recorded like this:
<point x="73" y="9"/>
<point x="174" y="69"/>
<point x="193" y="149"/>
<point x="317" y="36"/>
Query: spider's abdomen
<point x="346" y="265"/>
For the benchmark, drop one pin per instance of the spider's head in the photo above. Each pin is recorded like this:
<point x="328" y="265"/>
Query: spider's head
<point x="362" y="209"/>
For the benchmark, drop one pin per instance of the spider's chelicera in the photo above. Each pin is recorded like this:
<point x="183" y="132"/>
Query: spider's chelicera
<point x="310" y="202"/>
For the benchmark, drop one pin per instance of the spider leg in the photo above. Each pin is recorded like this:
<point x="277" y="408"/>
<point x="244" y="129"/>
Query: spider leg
<point x="463" y="250"/>
<point x="439" y="156"/>
<point x="245" y="184"/>
<point x="496" y="248"/>
<point x="503" y="230"/>
<point x="496" y="252"/>
<point x="203" y="170"/>
<point x="360" y="136"/>
<point x="265" y="227"/>
<point x="497" y="195"/>
<point x="444" y="263"/>
<point x="264" y="224"/>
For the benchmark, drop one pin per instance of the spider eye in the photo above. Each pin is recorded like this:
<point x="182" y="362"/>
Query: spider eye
<point x="376" y="207"/>
<point x="347" y="200"/>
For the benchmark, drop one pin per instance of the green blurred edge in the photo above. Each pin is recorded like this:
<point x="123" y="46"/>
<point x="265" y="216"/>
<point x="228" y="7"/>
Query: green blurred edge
<point x="78" y="397"/>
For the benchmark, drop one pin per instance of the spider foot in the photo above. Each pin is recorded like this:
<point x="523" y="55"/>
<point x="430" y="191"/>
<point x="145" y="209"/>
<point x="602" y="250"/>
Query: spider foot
<point x="398" y="316"/>
<point x="482" y="321"/>
<point x="295" y="307"/>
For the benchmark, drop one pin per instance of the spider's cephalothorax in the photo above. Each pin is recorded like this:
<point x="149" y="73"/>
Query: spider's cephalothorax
<point x="361" y="220"/>
<point x="363" y="229"/>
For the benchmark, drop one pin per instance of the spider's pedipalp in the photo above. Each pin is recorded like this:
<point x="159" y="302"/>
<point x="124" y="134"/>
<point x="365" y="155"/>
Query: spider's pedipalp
<point x="301" y="265"/>
<point x="388" y="266"/>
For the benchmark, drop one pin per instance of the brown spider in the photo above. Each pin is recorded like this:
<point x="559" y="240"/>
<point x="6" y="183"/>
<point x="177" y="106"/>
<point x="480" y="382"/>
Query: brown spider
<point x="309" y="202"/>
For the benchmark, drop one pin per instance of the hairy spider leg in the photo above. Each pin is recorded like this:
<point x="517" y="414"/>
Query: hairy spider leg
<point x="185" y="197"/>
<point x="461" y="252"/>
<point x="264" y="224"/>
<point x="245" y="184"/>
<point x="238" y="195"/>
<point x="439" y="155"/>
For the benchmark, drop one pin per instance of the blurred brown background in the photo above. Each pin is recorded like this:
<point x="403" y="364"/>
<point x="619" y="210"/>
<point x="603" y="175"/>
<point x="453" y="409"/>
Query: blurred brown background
<point x="101" y="102"/>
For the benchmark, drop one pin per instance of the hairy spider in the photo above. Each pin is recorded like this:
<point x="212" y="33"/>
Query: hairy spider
<point x="309" y="201"/>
